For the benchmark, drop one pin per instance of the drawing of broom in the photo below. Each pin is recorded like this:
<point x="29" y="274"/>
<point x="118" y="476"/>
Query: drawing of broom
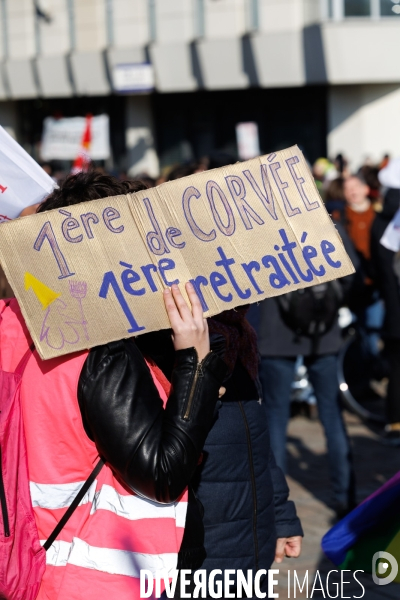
<point x="78" y="290"/>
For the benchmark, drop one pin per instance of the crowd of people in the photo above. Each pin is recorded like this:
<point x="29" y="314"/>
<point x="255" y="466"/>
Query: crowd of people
<point x="363" y="203"/>
<point x="225" y="464"/>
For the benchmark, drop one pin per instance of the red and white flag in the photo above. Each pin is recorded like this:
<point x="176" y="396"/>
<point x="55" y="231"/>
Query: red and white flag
<point x="83" y="160"/>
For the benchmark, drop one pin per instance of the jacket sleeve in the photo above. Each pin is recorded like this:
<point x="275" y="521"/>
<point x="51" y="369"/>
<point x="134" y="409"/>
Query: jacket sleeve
<point x="286" y="520"/>
<point x="355" y="281"/>
<point x="152" y="450"/>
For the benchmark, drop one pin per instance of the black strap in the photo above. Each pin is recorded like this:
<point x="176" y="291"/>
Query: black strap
<point x="71" y="509"/>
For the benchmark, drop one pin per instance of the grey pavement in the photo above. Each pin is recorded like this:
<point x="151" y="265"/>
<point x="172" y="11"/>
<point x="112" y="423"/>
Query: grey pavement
<point x="309" y="485"/>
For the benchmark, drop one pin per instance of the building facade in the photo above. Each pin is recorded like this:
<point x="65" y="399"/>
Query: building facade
<point x="175" y="76"/>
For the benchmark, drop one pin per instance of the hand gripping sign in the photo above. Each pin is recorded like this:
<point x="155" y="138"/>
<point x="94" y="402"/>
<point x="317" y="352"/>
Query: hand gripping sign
<point x="22" y="181"/>
<point x="94" y="272"/>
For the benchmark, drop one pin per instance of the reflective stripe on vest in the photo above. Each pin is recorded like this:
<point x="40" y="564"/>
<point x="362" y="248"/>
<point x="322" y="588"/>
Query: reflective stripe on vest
<point x="129" y="507"/>
<point x="120" y="562"/>
<point x="113" y="532"/>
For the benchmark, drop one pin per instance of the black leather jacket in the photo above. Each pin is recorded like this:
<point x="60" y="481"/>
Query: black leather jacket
<point x="153" y="451"/>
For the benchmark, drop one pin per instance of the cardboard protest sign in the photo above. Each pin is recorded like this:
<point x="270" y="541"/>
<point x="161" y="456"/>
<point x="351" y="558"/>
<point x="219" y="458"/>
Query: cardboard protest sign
<point x="94" y="272"/>
<point x="22" y="181"/>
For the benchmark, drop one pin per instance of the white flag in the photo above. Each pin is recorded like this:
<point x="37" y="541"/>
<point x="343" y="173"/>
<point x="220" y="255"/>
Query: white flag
<point x="391" y="236"/>
<point x="22" y="181"/>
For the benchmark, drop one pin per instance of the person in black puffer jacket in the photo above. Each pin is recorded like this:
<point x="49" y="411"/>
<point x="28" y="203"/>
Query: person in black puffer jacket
<point x="244" y="493"/>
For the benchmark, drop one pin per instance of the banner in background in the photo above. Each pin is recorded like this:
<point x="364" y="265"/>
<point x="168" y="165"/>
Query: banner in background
<point x="91" y="273"/>
<point x="247" y="140"/>
<point x="22" y="181"/>
<point x="62" y="138"/>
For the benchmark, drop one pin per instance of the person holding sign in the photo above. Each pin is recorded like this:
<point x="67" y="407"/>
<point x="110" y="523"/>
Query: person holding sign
<point x="113" y="403"/>
<point x="249" y="520"/>
<point x="86" y="276"/>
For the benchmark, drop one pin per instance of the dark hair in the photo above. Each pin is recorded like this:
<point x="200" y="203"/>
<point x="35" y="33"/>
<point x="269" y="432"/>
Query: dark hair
<point x="341" y="162"/>
<point x="88" y="186"/>
<point x="370" y="176"/>
<point x="148" y="182"/>
<point x="358" y="176"/>
<point x="335" y="190"/>
<point x="181" y="171"/>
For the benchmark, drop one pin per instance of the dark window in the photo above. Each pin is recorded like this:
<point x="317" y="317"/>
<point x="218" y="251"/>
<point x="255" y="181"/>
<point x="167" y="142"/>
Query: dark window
<point x="190" y="126"/>
<point x="357" y="8"/>
<point x="390" y="8"/>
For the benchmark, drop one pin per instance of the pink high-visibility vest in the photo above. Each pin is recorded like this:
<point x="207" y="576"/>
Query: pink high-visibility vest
<point x="114" y="533"/>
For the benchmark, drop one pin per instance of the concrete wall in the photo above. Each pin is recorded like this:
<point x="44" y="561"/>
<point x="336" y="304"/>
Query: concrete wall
<point x="220" y="49"/>
<point x="55" y="39"/>
<point x="90" y="25"/>
<point x="361" y="51"/>
<point x="21" y="30"/>
<point x="174" y="21"/>
<point x="280" y="15"/>
<point x="292" y="46"/>
<point x="363" y="121"/>
<point x="130" y="23"/>
<point x="225" y="19"/>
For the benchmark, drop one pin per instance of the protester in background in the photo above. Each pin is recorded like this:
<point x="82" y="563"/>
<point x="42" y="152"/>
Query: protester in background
<point x="323" y="171"/>
<point x="182" y="171"/>
<point x="341" y="165"/>
<point x="364" y="300"/>
<point x="369" y="174"/>
<point x="148" y="182"/>
<point x="384" y="162"/>
<point x="388" y="284"/>
<point x="203" y="164"/>
<point x="359" y="217"/>
<point x="335" y="201"/>
<point x="110" y="403"/>
<point x="248" y="519"/>
<point x="280" y="343"/>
